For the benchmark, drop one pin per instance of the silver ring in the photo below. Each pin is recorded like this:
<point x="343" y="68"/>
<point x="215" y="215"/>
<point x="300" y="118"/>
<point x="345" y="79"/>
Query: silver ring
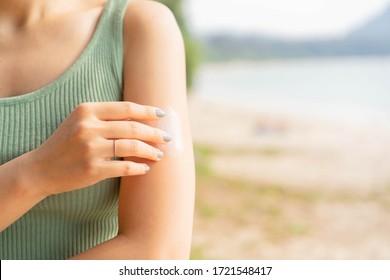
<point x="114" y="148"/>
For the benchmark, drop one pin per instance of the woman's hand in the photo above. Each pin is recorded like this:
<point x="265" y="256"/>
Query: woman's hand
<point x="81" y="151"/>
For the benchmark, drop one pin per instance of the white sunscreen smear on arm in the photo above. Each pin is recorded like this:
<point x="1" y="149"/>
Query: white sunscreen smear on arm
<point x="172" y="125"/>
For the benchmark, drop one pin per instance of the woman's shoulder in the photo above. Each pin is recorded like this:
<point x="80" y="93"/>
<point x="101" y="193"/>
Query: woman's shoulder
<point x="147" y="19"/>
<point x="147" y="12"/>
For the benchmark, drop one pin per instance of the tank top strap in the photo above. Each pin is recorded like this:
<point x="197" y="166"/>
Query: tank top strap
<point x="111" y="32"/>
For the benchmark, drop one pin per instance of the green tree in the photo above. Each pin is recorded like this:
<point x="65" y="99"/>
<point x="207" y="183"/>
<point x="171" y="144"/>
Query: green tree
<point x="191" y="45"/>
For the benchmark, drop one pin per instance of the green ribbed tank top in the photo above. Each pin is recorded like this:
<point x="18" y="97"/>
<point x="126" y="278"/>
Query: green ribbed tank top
<point x="64" y="225"/>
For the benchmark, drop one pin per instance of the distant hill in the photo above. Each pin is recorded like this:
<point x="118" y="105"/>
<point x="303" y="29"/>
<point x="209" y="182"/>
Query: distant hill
<point x="376" y="29"/>
<point x="371" y="38"/>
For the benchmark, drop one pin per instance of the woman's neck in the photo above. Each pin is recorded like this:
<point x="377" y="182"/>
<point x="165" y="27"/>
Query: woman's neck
<point x="15" y="14"/>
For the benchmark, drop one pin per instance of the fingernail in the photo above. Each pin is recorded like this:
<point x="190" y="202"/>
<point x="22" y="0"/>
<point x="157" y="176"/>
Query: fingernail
<point x="167" y="138"/>
<point x="160" y="155"/>
<point x="160" y="113"/>
<point x="147" y="168"/>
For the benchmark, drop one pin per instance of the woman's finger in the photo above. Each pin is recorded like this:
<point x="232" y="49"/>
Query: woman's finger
<point x="116" y="168"/>
<point x="134" y="130"/>
<point x="131" y="148"/>
<point x="109" y="111"/>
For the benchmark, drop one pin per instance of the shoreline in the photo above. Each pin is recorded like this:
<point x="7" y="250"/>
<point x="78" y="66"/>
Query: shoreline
<point x="336" y="154"/>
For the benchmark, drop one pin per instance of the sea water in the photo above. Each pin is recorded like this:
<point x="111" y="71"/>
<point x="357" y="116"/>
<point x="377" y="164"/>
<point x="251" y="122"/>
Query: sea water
<point x="342" y="89"/>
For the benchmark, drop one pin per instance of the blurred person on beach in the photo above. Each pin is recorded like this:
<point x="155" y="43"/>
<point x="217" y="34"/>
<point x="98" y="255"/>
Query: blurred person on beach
<point x="89" y="93"/>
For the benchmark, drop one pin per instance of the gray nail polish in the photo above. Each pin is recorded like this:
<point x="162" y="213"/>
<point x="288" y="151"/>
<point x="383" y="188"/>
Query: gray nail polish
<point x="160" y="155"/>
<point x="147" y="168"/>
<point x="167" y="138"/>
<point x="160" y="113"/>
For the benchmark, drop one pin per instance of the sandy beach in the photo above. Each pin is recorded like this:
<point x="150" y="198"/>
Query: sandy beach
<point x="273" y="185"/>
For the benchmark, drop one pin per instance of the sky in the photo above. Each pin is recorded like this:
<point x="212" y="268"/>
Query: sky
<point x="294" y="19"/>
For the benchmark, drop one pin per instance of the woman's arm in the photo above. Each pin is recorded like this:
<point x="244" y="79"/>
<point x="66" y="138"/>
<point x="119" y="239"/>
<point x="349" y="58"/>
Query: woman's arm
<point x="155" y="210"/>
<point x="17" y="196"/>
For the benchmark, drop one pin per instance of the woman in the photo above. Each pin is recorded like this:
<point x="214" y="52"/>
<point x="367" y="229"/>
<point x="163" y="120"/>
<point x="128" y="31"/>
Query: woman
<point x="65" y="69"/>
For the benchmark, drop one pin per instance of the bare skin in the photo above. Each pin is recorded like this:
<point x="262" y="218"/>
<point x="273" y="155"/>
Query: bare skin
<point x="155" y="207"/>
